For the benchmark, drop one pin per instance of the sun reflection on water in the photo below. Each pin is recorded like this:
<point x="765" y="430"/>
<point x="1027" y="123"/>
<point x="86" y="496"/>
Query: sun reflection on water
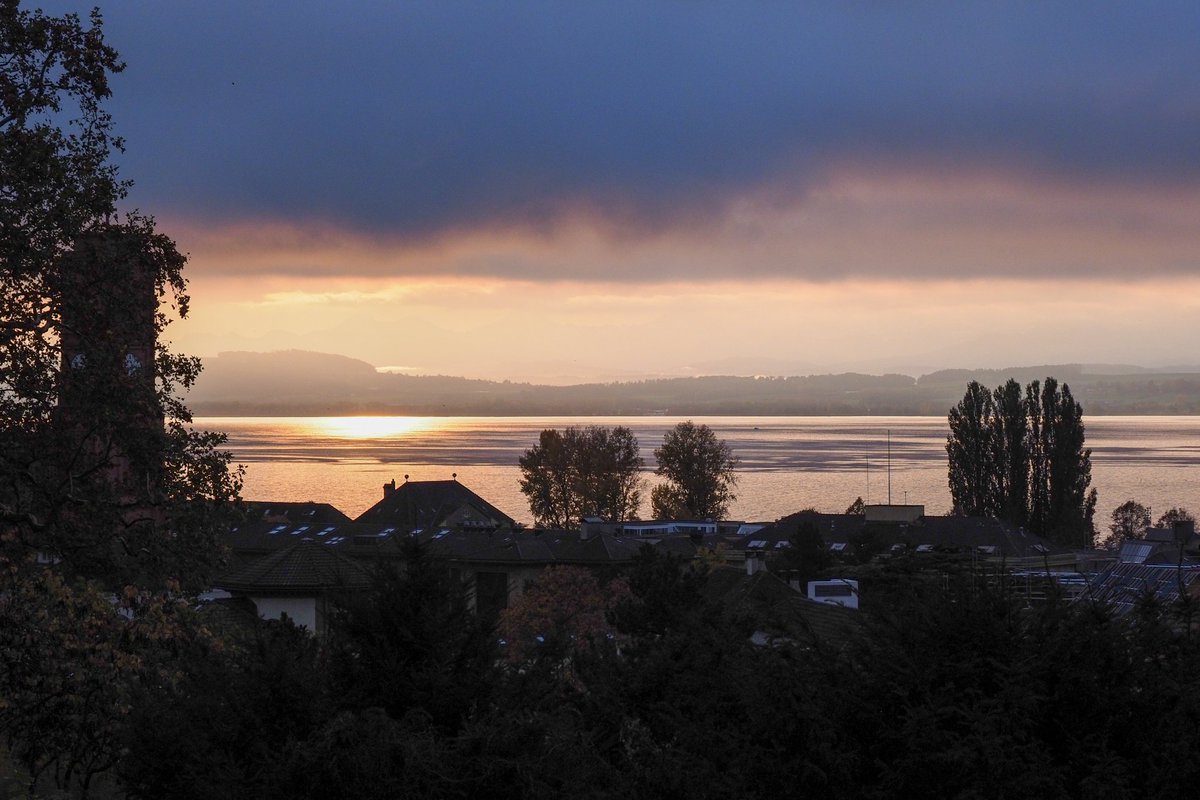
<point x="369" y="427"/>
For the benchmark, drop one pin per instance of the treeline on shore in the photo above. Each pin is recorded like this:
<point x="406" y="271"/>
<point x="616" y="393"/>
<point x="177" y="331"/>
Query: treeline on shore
<point x="301" y="383"/>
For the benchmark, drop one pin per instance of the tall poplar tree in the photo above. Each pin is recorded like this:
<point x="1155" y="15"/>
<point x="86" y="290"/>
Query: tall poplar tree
<point x="972" y="453"/>
<point x="1022" y="459"/>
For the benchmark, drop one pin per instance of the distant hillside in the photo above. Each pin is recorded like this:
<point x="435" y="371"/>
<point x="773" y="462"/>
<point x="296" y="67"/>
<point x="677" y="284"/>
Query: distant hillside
<point x="295" y="382"/>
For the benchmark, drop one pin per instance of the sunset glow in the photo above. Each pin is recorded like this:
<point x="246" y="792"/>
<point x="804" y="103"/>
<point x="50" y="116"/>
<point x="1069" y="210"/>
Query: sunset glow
<point x="547" y="196"/>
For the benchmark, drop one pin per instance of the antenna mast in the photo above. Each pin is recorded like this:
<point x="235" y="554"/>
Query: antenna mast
<point x="889" y="466"/>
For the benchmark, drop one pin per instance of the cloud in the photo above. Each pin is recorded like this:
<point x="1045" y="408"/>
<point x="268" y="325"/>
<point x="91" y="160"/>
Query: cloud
<point x="411" y="124"/>
<point x="867" y="222"/>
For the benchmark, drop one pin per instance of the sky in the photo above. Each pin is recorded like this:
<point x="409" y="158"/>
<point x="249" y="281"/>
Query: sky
<point x="564" y="191"/>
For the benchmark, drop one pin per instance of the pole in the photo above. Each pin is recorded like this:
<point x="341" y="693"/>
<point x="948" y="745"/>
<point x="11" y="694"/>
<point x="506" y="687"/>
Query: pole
<point x="889" y="466"/>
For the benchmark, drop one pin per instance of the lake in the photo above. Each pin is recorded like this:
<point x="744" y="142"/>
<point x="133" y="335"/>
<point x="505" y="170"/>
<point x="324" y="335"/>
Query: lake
<point x="786" y="463"/>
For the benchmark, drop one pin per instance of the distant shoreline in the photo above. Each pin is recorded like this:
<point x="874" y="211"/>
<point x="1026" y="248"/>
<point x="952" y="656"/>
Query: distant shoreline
<point x="230" y="412"/>
<point x="299" y="383"/>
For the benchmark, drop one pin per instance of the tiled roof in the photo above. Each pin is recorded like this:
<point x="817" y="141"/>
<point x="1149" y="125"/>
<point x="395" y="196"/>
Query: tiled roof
<point x="425" y="504"/>
<point x="306" y="566"/>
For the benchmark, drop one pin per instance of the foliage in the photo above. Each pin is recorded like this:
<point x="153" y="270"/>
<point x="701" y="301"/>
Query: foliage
<point x="411" y="643"/>
<point x="1129" y="521"/>
<point x="806" y="555"/>
<point x="699" y="471"/>
<point x="88" y="472"/>
<point x="947" y="683"/>
<point x="1173" y="515"/>
<point x="580" y="472"/>
<point x="1022" y="459"/>
<point x="71" y="661"/>
<point x="234" y="706"/>
<point x="104" y="488"/>
<point x="566" y="605"/>
<point x="857" y="507"/>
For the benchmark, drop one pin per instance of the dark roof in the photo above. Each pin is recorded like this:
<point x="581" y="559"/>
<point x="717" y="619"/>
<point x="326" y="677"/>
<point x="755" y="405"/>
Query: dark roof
<point x="531" y="547"/>
<point x="306" y="566"/>
<point x="348" y="537"/>
<point x="988" y="536"/>
<point x="362" y="541"/>
<point x="427" y="504"/>
<point x="271" y="511"/>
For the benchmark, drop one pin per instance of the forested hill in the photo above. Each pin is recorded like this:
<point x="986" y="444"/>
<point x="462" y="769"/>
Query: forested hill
<point x="304" y="383"/>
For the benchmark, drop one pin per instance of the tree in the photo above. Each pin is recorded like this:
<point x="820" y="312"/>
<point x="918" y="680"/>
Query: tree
<point x="1129" y="521"/>
<point x="1062" y="505"/>
<point x="1169" y="518"/>
<point x="1010" y="456"/>
<point x="566" y="605"/>
<point x="98" y="465"/>
<point x="971" y="450"/>
<point x="1023" y="459"/>
<point x="699" y="471"/>
<point x="805" y="556"/>
<point x="580" y="472"/>
<point x="857" y="507"/>
<point x="100" y="472"/>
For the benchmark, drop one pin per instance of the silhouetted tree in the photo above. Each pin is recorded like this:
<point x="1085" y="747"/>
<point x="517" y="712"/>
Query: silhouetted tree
<point x="699" y="468"/>
<point x="972" y="453"/>
<point x="857" y="507"/>
<point x="1129" y="521"/>
<point x="805" y="556"/>
<point x="1061" y="504"/>
<point x="580" y="472"/>
<point x="1023" y="460"/>
<point x="100" y="472"/>
<point x="1170" y="517"/>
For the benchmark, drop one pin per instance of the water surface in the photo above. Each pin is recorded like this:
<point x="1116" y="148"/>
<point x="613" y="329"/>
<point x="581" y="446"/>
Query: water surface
<point x="786" y="463"/>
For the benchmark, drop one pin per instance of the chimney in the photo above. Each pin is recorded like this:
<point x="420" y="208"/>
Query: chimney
<point x="1184" y="530"/>
<point x="754" y="561"/>
<point x="589" y="527"/>
<point x="389" y="489"/>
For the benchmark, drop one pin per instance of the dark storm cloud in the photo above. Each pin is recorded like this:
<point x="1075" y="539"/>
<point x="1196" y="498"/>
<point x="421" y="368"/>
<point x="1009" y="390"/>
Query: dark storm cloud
<point x="426" y="117"/>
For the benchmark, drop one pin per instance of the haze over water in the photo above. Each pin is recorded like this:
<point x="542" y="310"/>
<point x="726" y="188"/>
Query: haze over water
<point x="786" y="463"/>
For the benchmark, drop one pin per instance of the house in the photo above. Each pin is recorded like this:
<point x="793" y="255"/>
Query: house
<point x="894" y="530"/>
<point x="421" y="505"/>
<point x="296" y="582"/>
